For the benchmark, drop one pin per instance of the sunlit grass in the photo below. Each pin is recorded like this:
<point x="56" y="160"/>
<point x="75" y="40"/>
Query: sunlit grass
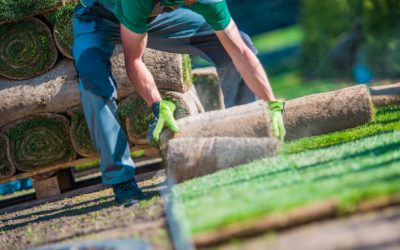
<point x="359" y="167"/>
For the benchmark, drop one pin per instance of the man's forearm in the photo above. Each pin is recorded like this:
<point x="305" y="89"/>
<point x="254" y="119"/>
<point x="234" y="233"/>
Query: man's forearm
<point x="143" y="81"/>
<point x="246" y="62"/>
<point x="254" y="74"/>
<point x="134" y="47"/>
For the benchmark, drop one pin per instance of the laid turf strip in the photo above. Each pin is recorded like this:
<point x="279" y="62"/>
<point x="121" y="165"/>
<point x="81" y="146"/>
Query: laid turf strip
<point x="350" y="172"/>
<point x="27" y="49"/>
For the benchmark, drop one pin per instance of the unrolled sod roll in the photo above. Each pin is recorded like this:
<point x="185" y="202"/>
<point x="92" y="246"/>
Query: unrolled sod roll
<point x="328" y="112"/>
<point x="6" y="166"/>
<point x="188" y="158"/>
<point x="79" y="133"/>
<point x="386" y="95"/>
<point x="250" y="120"/>
<point x="40" y="141"/>
<point x="137" y="116"/>
<point x="208" y="88"/>
<point x="56" y="91"/>
<point x="27" y="49"/>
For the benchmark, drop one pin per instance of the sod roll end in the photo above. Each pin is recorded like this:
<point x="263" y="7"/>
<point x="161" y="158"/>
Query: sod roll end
<point x="27" y="49"/>
<point x="7" y="167"/>
<point x="328" y="112"/>
<point x="136" y="115"/>
<point x="209" y="155"/>
<point x="61" y="19"/>
<point x="40" y="141"/>
<point x="11" y="11"/>
<point x="79" y="133"/>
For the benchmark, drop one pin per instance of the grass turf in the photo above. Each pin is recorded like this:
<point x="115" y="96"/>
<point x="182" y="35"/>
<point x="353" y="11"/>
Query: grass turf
<point x="350" y="172"/>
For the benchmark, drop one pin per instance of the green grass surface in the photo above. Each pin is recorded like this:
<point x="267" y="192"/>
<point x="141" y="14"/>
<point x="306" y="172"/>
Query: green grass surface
<point x="350" y="172"/>
<point x="291" y="84"/>
<point x="278" y="39"/>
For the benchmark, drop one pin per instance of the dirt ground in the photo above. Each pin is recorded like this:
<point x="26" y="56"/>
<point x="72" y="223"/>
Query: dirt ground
<point x="375" y="230"/>
<point x="95" y="216"/>
<point x="90" y="216"/>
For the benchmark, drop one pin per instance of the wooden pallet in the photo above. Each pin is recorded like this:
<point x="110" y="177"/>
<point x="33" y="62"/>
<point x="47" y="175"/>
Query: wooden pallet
<point x="54" y="180"/>
<point x="150" y="154"/>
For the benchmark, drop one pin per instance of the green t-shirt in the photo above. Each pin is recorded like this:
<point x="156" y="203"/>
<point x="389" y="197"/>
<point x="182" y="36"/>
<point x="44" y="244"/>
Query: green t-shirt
<point x="134" y="14"/>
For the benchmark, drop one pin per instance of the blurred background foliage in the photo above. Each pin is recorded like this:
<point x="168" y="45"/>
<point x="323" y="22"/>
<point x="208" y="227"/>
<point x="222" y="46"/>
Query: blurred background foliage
<point x="328" y="23"/>
<point x="310" y="46"/>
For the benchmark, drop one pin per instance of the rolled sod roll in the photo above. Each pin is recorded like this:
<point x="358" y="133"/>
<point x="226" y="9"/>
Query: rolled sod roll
<point x="13" y="10"/>
<point x="170" y="71"/>
<point x="56" y="91"/>
<point x="328" y="112"/>
<point x="7" y="168"/>
<point x="79" y="133"/>
<point x="208" y="88"/>
<point x="137" y="116"/>
<point x="27" y="49"/>
<point x="250" y="120"/>
<point x="40" y="141"/>
<point x="209" y="155"/>
<point x="386" y="95"/>
<point x="61" y="19"/>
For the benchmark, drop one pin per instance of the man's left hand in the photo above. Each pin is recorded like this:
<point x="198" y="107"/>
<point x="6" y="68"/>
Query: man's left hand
<point x="163" y="118"/>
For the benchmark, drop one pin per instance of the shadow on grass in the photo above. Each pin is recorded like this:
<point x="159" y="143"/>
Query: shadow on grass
<point x="65" y="207"/>
<point x="66" y="211"/>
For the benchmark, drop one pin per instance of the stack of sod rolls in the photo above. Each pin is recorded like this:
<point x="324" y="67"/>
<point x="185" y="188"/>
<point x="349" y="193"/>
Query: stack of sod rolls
<point x="43" y="123"/>
<point x="28" y="46"/>
<point x="41" y="119"/>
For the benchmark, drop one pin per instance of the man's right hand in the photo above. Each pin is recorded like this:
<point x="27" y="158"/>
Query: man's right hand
<point x="163" y="118"/>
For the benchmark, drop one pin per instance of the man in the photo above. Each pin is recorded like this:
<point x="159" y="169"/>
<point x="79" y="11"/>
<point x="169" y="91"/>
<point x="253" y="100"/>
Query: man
<point x="202" y="27"/>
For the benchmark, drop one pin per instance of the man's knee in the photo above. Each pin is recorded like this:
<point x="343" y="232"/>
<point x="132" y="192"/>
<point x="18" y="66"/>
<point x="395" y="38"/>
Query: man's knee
<point x="94" y="69"/>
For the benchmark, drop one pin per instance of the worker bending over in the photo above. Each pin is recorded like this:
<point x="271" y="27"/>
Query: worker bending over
<point x="203" y="27"/>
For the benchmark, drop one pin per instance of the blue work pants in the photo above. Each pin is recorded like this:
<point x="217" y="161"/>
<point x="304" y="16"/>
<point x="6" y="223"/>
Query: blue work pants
<point x="180" y="31"/>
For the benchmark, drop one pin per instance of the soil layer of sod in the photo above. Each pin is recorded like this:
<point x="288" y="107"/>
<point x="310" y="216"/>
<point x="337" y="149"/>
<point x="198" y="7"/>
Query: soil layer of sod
<point x="353" y="166"/>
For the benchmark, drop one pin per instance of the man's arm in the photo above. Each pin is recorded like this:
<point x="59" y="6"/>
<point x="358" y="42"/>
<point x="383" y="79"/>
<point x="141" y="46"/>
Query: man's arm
<point x="245" y="62"/>
<point x="134" y="45"/>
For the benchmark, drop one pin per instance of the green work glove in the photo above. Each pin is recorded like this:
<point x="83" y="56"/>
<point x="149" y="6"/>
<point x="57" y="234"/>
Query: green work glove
<point x="169" y="3"/>
<point x="163" y="118"/>
<point x="278" y="127"/>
